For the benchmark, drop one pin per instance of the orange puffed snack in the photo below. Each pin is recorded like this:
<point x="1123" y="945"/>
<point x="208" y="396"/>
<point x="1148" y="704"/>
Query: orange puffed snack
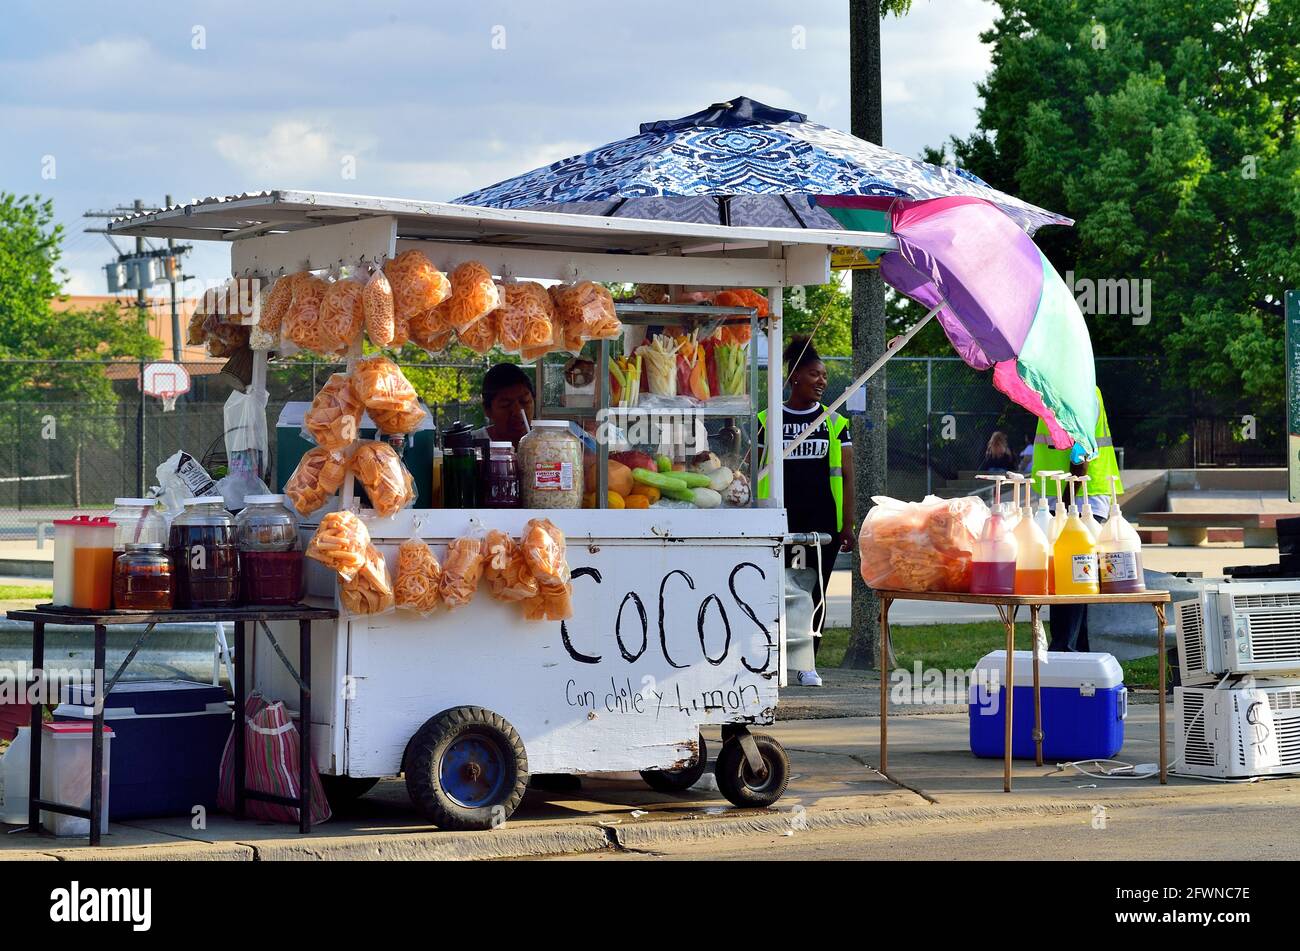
<point x="525" y="319"/>
<point x="544" y="550"/>
<point x="403" y="421"/>
<point x="319" y="474"/>
<point x="335" y="414"/>
<point x="461" y="571"/>
<point x="386" y="480"/>
<point x="380" y="384"/>
<point x="429" y="329"/>
<point x="379" y="309"/>
<point x="417" y="285"/>
<point x="276" y="306"/>
<point x="474" y="295"/>
<point x="302" y="320"/>
<point x="553" y="602"/>
<point x="419" y="577"/>
<point x="340" y="543"/>
<point x="588" y="308"/>
<point x="341" y="315"/>
<point x="506" y="569"/>
<point x="921" y="546"/>
<point x="371" y="590"/>
<point x="480" y="336"/>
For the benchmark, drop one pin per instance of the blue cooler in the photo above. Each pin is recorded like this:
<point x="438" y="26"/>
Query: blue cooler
<point x="1084" y="706"/>
<point x="169" y="738"/>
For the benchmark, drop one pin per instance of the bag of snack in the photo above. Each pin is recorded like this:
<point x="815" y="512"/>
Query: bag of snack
<point x="335" y="414"/>
<point x="341" y="316"/>
<point x="530" y="303"/>
<point x="481" y="336"/>
<point x="301" y="325"/>
<point x="461" y="571"/>
<point x="586" y="309"/>
<point x="380" y="384"/>
<point x="276" y="305"/>
<point x="553" y="602"/>
<point x="402" y="421"/>
<point x="474" y="295"/>
<point x="341" y="543"/>
<point x="419" y="578"/>
<point x="920" y="546"/>
<point x="544" y="551"/>
<point x="416" y="283"/>
<point x="319" y="474"/>
<point x="385" y="478"/>
<point x="506" y="569"/>
<point x="430" y="331"/>
<point x="379" y="310"/>
<point x="370" y="591"/>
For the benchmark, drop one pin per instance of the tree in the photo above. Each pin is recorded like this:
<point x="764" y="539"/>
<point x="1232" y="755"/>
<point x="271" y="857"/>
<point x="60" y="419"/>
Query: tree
<point x="869" y="429"/>
<point x="1169" y="131"/>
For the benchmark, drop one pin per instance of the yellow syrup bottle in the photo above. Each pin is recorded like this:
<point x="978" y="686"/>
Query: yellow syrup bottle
<point x="1074" y="557"/>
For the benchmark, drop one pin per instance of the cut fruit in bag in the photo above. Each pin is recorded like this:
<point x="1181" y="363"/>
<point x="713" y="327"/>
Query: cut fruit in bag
<point x="385" y="478"/>
<point x="340" y="543"/>
<point x="419" y="578"/>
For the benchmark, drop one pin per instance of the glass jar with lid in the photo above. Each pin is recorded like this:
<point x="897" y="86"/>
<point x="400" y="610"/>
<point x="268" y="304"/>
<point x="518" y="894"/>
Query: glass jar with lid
<point x="550" y="466"/>
<point x="270" y="551"/>
<point x="501" y="477"/>
<point x="138" y="522"/>
<point x="142" y="579"/>
<point x="204" y="555"/>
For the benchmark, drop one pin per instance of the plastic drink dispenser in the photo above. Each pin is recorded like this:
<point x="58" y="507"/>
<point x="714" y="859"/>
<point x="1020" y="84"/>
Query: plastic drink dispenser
<point x="1074" y="557"/>
<point x="65" y="558"/>
<point x="993" y="570"/>
<point x="92" y="565"/>
<point x="1033" y="553"/>
<point x="1120" y="552"/>
<point x="1044" y="520"/>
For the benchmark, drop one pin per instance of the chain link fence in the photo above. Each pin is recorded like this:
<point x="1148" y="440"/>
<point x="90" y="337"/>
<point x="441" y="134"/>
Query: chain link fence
<point x="58" y="457"/>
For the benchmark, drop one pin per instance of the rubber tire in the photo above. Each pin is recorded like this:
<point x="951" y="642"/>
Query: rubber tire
<point x="423" y="784"/>
<point x="678" y="780"/>
<point x="344" y="790"/>
<point x="731" y="770"/>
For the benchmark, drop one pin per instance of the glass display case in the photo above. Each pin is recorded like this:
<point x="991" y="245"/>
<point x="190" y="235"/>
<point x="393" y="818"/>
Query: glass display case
<point x="678" y="384"/>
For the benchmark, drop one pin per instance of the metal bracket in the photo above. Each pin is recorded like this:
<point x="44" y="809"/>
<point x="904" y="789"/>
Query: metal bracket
<point x="736" y="733"/>
<point x="293" y="672"/>
<point x="117" y="675"/>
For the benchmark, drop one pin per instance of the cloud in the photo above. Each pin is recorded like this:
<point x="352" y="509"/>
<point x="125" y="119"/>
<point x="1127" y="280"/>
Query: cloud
<point x="292" y="150"/>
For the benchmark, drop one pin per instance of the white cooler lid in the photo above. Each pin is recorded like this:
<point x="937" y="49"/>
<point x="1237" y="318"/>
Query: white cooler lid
<point x="1066" y="669"/>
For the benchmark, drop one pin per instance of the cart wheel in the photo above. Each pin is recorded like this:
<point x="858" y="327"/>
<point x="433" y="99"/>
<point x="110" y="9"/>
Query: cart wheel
<point x="739" y="784"/>
<point x="342" y="790"/>
<point x="678" y="780"/>
<point x="466" y="769"/>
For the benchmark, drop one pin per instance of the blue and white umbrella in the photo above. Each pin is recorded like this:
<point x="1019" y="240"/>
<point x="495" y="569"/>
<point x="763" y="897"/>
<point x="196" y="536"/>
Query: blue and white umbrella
<point x="739" y="163"/>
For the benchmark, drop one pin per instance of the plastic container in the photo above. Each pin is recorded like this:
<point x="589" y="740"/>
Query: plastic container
<point x="1084" y="704"/>
<point x="460" y="468"/>
<point x="1074" y="558"/>
<point x="92" y="565"/>
<point x="15" y="765"/>
<point x="993" y="568"/>
<point x="270" y="551"/>
<point x="1119" y="551"/>
<point x="143" y="579"/>
<point x="1033" y="553"/>
<point x="204" y="555"/>
<point x="65" y="775"/>
<point x="550" y="466"/>
<point x="65" y="547"/>
<point x="1085" y="510"/>
<point x="169" y="738"/>
<point x="138" y="522"/>
<point x="501" y="477"/>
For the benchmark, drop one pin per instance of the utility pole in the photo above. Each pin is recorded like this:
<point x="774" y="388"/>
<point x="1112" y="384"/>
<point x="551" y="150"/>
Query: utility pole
<point x="173" y="273"/>
<point x="142" y="306"/>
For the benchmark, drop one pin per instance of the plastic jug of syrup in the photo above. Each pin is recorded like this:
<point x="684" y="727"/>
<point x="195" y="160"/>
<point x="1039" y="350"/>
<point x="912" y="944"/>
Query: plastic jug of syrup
<point x="1033" y="553"/>
<point x="993" y="570"/>
<point x="1074" y="557"/>
<point x="1119" y="552"/>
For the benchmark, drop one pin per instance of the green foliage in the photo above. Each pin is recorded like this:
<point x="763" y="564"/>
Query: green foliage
<point x="826" y="309"/>
<point x="1168" y="130"/>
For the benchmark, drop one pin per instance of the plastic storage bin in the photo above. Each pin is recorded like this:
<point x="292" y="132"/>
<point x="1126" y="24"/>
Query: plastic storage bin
<point x="65" y="775"/>
<point x="170" y="734"/>
<point x="1085" y="703"/>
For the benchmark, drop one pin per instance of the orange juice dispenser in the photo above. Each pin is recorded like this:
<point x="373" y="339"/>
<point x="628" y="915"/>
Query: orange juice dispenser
<point x="993" y="569"/>
<point x="1033" y="553"/>
<point x="1074" y="556"/>
<point x="1119" y="552"/>
<point x="92" y="564"/>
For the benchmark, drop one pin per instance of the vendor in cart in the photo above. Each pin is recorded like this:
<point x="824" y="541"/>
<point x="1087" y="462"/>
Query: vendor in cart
<point x="508" y="401"/>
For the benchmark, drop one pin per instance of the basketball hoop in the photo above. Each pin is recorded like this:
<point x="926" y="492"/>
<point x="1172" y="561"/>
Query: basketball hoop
<point x="166" y="381"/>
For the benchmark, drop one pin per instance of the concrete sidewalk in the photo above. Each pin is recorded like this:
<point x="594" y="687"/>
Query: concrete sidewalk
<point x="834" y="784"/>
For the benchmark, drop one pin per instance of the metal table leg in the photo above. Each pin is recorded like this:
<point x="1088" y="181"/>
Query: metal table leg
<point x="1038" y="698"/>
<point x="884" y="683"/>
<point x="241" y="628"/>
<point x="1008" y="614"/>
<point x="1160" y="650"/>
<point x="34" y="763"/>
<point x="304" y="704"/>
<point x="97" y="736"/>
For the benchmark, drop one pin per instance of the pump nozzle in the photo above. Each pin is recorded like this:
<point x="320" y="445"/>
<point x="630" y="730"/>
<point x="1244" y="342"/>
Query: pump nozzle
<point x="1114" y="504"/>
<point x="997" y="481"/>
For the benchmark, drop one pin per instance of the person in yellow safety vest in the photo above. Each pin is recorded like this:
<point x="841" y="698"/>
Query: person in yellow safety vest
<point x="818" y="476"/>
<point x="1069" y="622"/>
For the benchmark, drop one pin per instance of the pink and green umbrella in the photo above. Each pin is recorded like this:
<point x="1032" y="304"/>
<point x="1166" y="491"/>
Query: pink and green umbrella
<point x="1001" y="304"/>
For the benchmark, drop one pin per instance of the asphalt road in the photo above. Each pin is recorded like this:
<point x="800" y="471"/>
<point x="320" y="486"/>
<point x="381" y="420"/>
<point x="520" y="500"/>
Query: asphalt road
<point x="1264" y="829"/>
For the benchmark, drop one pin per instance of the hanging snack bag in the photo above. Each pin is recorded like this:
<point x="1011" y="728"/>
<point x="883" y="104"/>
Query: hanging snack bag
<point x="506" y="569"/>
<point x="419" y="578"/>
<point x="380" y="384"/>
<point x="587" y="309"/>
<point x="319" y="474"/>
<point x="544" y="550"/>
<point x="340" y="543"/>
<point x="417" y="285"/>
<point x="301" y="325"/>
<point x="341" y="316"/>
<point x="474" y="295"/>
<point x="531" y="302"/>
<point x="276" y="305"/>
<point x="461" y="571"/>
<point x="481" y="336"/>
<point x="371" y="590"/>
<point x="553" y="602"/>
<point x="430" y="331"/>
<point x="393" y="421"/>
<point x="335" y="414"/>
<point x="386" y="480"/>
<point x="379" y="310"/>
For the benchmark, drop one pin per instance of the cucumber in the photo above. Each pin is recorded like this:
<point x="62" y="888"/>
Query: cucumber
<point x="664" y="482"/>
<point x="693" y="480"/>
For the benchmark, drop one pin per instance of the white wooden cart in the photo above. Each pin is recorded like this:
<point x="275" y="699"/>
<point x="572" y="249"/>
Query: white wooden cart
<point x="679" y="614"/>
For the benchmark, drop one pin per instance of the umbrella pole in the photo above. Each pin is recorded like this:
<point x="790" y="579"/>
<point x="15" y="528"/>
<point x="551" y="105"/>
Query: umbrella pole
<point x="897" y="344"/>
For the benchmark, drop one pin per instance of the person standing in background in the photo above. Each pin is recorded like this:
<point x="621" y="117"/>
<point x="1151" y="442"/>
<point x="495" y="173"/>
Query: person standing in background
<point x="998" y="456"/>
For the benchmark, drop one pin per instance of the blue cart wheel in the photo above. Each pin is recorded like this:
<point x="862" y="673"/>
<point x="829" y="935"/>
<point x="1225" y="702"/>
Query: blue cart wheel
<point x="466" y="769"/>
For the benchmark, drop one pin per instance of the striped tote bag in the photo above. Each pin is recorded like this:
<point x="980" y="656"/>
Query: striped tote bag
<point x="271" y="749"/>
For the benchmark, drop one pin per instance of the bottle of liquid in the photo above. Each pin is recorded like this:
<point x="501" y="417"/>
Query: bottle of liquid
<point x="993" y="570"/>
<point x="1033" y="553"/>
<point x="1120" y="552"/>
<point x="1043" y="519"/>
<point x="1085" y="510"/>
<point x="1074" y="557"/>
<point x="1011" y="510"/>
<point x="204" y="554"/>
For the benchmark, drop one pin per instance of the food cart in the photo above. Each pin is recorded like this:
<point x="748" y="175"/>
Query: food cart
<point x="678" y="617"/>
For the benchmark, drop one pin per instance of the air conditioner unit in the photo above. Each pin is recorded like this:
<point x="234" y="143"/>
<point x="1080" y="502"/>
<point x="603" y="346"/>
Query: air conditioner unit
<point x="1215" y="725"/>
<point x="1239" y="628"/>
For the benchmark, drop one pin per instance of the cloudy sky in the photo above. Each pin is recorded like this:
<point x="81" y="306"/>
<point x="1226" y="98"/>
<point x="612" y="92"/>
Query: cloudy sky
<point x="103" y="103"/>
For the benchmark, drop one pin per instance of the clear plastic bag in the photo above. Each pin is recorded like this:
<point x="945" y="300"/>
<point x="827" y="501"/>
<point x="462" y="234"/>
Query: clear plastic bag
<point x="474" y="295"/>
<point x="430" y="331"/>
<point x="481" y="336"/>
<point x="276" y="305"/>
<point x="385" y="478"/>
<point x="379" y="310"/>
<point x="380" y="384"/>
<point x="553" y="602"/>
<point x="342" y="316"/>
<point x="318" y="475"/>
<point x="506" y="568"/>
<point x="586" y="310"/>
<point x="921" y="546"/>
<point x="335" y="414"/>
<point x="417" y="284"/>
<point x="461" y="570"/>
<point x="370" y="591"/>
<point x="301" y="325"/>
<point x="341" y="543"/>
<point x="401" y="421"/>
<point x="419" y="578"/>
<point x="545" y="552"/>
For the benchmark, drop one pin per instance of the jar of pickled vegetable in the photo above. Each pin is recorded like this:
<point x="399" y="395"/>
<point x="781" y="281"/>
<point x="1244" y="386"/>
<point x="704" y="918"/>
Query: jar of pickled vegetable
<point x="550" y="466"/>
